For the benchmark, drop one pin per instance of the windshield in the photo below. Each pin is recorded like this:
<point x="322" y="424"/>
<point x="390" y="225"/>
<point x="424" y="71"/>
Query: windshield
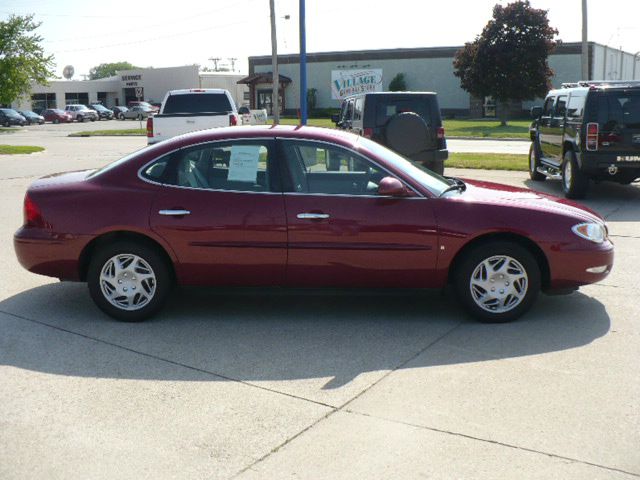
<point x="430" y="180"/>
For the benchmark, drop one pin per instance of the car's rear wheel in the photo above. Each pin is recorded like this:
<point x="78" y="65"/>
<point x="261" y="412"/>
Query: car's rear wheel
<point x="497" y="282"/>
<point x="55" y="120"/>
<point x="128" y="281"/>
<point x="121" y="116"/>
<point x="534" y="163"/>
<point x="574" y="182"/>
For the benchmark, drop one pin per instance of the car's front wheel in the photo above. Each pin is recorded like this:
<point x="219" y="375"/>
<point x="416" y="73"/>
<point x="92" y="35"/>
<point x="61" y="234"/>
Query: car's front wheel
<point x="497" y="282"/>
<point x="574" y="182"/>
<point x="128" y="281"/>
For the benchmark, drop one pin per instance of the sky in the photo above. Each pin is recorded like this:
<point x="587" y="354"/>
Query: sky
<point x="160" y="33"/>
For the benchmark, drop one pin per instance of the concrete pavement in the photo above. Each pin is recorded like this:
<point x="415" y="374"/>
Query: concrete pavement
<point x="264" y="385"/>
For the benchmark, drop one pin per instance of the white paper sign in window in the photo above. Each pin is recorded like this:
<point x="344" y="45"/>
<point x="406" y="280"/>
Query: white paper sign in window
<point x="243" y="165"/>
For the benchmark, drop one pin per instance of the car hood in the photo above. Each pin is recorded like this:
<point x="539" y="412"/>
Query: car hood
<point x="505" y="195"/>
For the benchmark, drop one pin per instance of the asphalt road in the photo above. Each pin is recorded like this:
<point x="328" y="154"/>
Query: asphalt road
<point x="341" y="385"/>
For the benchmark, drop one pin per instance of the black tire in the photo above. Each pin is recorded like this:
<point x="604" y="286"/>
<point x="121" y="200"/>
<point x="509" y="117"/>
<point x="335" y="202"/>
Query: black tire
<point x="534" y="163"/>
<point x="7" y="124"/>
<point x="93" y="119"/>
<point x="469" y="272"/>
<point x="80" y="118"/>
<point x="408" y="134"/>
<point x="574" y="182"/>
<point x="159" y="268"/>
<point x="121" y="116"/>
<point x="55" y="120"/>
<point x="436" y="166"/>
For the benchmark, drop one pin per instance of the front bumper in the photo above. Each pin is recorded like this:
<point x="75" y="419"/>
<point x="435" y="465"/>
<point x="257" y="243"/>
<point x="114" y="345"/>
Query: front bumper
<point x="573" y="266"/>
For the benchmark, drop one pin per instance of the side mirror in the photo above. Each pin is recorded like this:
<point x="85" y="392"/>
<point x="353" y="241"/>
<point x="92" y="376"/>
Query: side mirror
<point x="391" y="187"/>
<point x="536" y="112"/>
<point x="335" y="118"/>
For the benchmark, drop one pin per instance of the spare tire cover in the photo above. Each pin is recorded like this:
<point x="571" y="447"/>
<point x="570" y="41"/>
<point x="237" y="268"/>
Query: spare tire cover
<point x="407" y="133"/>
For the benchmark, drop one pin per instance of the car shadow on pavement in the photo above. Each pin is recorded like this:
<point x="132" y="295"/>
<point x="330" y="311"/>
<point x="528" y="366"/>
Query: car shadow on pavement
<point x="254" y="336"/>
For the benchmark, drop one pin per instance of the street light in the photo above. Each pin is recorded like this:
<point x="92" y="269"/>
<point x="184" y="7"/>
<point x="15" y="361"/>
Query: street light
<point x="275" y="103"/>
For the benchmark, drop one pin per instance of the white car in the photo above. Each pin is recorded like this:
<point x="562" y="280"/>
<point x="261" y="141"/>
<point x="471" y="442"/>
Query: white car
<point x="80" y="113"/>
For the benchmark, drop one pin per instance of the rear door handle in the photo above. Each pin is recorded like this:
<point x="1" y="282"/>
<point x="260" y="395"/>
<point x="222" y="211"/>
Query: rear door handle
<point x="174" y="213"/>
<point x="312" y="216"/>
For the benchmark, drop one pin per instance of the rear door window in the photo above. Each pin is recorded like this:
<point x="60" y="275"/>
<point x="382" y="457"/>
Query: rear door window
<point x="197" y="102"/>
<point x="561" y="106"/>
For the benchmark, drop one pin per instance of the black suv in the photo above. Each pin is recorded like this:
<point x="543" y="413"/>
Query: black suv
<point x="406" y="122"/>
<point x="587" y="130"/>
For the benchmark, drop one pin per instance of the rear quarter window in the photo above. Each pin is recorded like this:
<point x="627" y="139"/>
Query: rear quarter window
<point x="575" y="107"/>
<point x="197" y="103"/>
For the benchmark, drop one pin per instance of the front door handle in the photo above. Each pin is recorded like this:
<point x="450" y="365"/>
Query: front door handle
<point x="174" y="213"/>
<point x="312" y="216"/>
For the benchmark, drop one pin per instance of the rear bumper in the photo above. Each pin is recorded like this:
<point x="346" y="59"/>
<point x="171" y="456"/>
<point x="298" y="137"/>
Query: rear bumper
<point x="609" y="165"/>
<point x="49" y="254"/>
<point x="571" y="267"/>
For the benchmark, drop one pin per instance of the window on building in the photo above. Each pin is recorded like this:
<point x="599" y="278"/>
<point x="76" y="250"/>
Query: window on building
<point x="76" y="97"/>
<point x="43" y="101"/>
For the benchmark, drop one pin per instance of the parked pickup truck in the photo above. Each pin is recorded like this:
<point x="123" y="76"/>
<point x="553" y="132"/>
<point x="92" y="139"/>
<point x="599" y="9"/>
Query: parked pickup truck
<point x="189" y="110"/>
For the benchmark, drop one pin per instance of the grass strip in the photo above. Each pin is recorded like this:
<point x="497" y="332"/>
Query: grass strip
<point x="128" y="132"/>
<point x="488" y="161"/>
<point x="19" y="149"/>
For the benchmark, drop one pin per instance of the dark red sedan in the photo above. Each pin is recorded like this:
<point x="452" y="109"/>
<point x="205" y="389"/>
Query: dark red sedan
<point x="257" y="206"/>
<point x="55" y="115"/>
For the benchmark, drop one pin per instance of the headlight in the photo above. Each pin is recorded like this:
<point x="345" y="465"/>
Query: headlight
<point x="594" y="232"/>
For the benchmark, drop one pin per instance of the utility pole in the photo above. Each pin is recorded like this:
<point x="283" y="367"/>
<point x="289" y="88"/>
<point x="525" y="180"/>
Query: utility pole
<point x="275" y="103"/>
<point x="303" y="66"/>
<point x="215" y="61"/>
<point x="585" y="45"/>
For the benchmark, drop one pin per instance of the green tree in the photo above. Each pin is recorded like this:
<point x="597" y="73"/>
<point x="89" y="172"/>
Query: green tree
<point x="508" y="61"/>
<point x="22" y="58"/>
<point x="109" y="69"/>
<point x="398" y="83"/>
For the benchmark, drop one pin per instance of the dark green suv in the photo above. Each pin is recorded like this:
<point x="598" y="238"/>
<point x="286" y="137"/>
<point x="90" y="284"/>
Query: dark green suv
<point x="587" y="131"/>
<point x="406" y="122"/>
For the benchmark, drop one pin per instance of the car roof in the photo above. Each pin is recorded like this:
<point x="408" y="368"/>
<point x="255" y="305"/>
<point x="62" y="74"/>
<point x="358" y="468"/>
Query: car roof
<point x="319" y="134"/>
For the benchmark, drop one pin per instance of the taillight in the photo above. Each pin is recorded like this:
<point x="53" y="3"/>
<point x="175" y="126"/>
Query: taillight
<point x="150" y="127"/>
<point x="368" y="132"/>
<point x="233" y="121"/>
<point x="592" y="136"/>
<point x="32" y="214"/>
<point x="440" y="133"/>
